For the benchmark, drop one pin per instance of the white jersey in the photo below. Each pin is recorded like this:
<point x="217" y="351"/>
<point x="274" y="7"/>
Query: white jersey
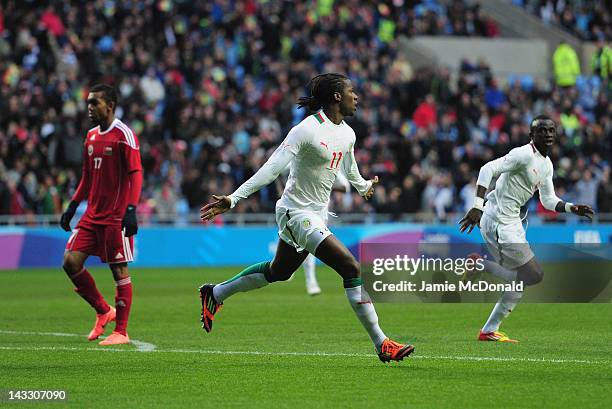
<point x="315" y="149"/>
<point x="341" y="182"/>
<point x="520" y="173"/>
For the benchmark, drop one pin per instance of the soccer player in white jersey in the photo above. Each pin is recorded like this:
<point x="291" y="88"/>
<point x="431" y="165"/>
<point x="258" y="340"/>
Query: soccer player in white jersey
<point x="315" y="149"/>
<point x="520" y="173"/>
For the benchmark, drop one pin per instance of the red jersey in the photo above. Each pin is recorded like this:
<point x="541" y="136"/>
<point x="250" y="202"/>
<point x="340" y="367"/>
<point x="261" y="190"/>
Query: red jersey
<point x="108" y="158"/>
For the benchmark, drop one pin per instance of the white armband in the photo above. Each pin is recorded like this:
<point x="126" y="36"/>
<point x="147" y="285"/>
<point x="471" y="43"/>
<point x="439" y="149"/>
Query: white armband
<point x="233" y="201"/>
<point x="568" y="207"/>
<point x="479" y="203"/>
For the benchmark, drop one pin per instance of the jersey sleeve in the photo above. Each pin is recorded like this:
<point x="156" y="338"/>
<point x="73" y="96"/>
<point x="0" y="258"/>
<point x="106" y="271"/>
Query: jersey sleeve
<point x="508" y="163"/>
<point x="548" y="197"/>
<point x="273" y="167"/>
<point x="352" y="173"/>
<point x="131" y="153"/>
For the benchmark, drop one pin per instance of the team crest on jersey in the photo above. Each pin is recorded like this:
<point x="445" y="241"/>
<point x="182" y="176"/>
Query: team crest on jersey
<point x="306" y="223"/>
<point x="108" y="151"/>
<point x="90" y="150"/>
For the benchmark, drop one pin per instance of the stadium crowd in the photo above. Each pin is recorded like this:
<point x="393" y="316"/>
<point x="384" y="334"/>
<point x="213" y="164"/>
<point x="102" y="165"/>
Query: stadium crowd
<point x="589" y="20"/>
<point x="210" y="89"/>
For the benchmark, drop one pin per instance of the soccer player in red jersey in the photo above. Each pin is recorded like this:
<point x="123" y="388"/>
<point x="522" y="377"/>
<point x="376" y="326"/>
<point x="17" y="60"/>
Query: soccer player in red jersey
<point x="111" y="183"/>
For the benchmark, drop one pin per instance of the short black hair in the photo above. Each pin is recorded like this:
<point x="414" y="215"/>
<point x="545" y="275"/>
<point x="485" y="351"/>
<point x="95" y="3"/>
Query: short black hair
<point x="540" y="117"/>
<point x="322" y="89"/>
<point x="108" y="93"/>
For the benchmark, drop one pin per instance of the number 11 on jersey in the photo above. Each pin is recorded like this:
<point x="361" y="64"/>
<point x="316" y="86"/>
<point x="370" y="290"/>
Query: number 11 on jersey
<point x="337" y="155"/>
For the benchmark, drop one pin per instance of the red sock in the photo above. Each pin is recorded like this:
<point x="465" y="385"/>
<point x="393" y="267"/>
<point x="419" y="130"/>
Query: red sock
<point x="123" y="302"/>
<point x="86" y="288"/>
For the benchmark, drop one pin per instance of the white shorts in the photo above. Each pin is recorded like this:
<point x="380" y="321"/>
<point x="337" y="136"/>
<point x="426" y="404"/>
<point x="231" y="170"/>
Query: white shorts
<point x="506" y="242"/>
<point x="302" y="229"/>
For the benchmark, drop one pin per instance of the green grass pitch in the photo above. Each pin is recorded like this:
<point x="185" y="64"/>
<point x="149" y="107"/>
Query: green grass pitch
<point x="278" y="347"/>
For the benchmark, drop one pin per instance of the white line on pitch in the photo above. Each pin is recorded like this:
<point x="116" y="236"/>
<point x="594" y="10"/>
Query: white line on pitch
<point x="314" y="354"/>
<point x="141" y="346"/>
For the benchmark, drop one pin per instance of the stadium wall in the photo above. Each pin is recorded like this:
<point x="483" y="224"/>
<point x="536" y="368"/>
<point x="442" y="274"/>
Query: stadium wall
<point x="506" y="56"/>
<point x="216" y="246"/>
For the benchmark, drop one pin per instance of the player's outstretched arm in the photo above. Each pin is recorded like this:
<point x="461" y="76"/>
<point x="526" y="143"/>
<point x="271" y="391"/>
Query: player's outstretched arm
<point x="219" y="205"/>
<point x="264" y="176"/>
<point x="273" y="167"/>
<point x="550" y="201"/>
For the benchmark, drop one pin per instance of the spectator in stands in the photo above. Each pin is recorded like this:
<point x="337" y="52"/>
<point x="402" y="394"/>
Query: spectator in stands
<point x="443" y="199"/>
<point x="410" y="198"/>
<point x="566" y="65"/>
<point x="586" y="189"/>
<point x="604" y="193"/>
<point x="425" y="116"/>
<point x="467" y="194"/>
<point x="601" y="63"/>
<point x="586" y="19"/>
<point x="568" y="119"/>
<point x="494" y="97"/>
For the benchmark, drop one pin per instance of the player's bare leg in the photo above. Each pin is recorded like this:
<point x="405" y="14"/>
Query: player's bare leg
<point x="123" y="303"/>
<point x="284" y="264"/>
<point x="529" y="273"/>
<point x="85" y="286"/>
<point x="335" y="254"/>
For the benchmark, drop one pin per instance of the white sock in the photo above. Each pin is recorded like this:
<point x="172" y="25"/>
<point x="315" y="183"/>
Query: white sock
<point x="309" y="271"/>
<point x="366" y="313"/>
<point x="239" y="284"/>
<point x="499" y="271"/>
<point x="506" y="304"/>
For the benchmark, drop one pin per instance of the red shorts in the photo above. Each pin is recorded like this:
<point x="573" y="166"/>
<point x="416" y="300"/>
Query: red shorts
<point x="105" y="241"/>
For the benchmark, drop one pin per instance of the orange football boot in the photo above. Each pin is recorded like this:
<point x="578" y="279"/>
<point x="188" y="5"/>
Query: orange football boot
<point x="210" y="306"/>
<point x="394" y="351"/>
<point x="115" y="338"/>
<point x="101" y="321"/>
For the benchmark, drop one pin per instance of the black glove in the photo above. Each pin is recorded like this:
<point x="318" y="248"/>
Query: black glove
<point x="68" y="215"/>
<point x="129" y="223"/>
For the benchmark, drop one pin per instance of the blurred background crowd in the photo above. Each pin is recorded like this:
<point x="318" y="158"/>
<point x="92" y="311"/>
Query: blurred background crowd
<point x="587" y="19"/>
<point x="210" y="90"/>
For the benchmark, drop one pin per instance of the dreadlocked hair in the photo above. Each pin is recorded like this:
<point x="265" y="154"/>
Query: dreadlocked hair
<point x="322" y="89"/>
